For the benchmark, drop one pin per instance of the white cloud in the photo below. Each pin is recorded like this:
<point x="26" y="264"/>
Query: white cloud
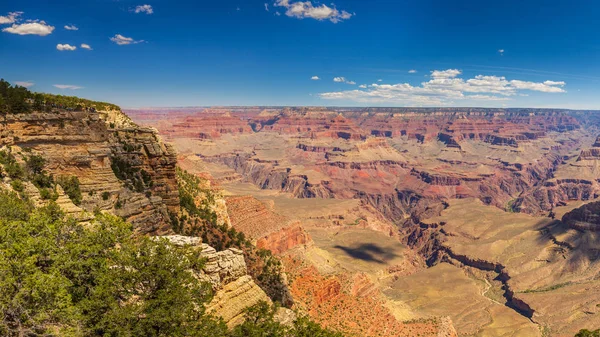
<point x="363" y="86"/>
<point x="32" y="27"/>
<point x="315" y="78"/>
<point x="144" y="9"/>
<point x="122" y="40"/>
<point x="501" y="51"/>
<point x="305" y="9"/>
<point x="63" y="47"/>
<point x="71" y="27"/>
<point x="380" y="80"/>
<point x="560" y="83"/>
<point x="444" y="88"/>
<point x="12" y="17"/>
<point x="342" y="79"/>
<point x="25" y="84"/>
<point x="412" y="71"/>
<point x="86" y="46"/>
<point x="267" y="7"/>
<point x="277" y="13"/>
<point x="547" y="86"/>
<point x="67" y="86"/>
<point x="450" y="73"/>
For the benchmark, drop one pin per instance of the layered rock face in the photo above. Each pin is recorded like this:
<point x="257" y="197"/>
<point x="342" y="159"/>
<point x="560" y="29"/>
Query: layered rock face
<point x="252" y="217"/>
<point x="227" y="273"/>
<point x="89" y="145"/>
<point x="584" y="218"/>
<point x="284" y="240"/>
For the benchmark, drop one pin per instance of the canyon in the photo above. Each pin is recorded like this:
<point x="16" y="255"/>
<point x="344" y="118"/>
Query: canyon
<point x="443" y="221"/>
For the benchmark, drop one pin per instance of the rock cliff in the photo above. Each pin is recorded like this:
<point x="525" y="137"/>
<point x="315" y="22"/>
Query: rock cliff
<point x="122" y="168"/>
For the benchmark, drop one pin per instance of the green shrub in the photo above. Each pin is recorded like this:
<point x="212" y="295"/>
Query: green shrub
<point x="17" y="185"/>
<point x="48" y="194"/>
<point x="11" y="167"/>
<point x="71" y="187"/>
<point x="105" y="195"/>
<point x="35" y="164"/>
<point x="134" y="178"/>
<point x="588" y="333"/>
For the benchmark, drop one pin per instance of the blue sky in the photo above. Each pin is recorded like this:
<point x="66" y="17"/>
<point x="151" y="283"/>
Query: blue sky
<point x="365" y="53"/>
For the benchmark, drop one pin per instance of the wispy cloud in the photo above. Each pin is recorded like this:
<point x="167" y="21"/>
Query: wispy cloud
<point x="363" y="86"/>
<point x="315" y="78"/>
<point x="444" y="88"/>
<point x="144" y="9"/>
<point x="501" y="52"/>
<point x="31" y="27"/>
<point x="123" y="40"/>
<point x="71" y="27"/>
<point x="267" y="7"/>
<point x="25" y="84"/>
<point x="412" y="71"/>
<point x="65" y="47"/>
<point x="305" y="9"/>
<point x="67" y="86"/>
<point x="85" y="46"/>
<point x="11" y="17"/>
<point x="342" y="79"/>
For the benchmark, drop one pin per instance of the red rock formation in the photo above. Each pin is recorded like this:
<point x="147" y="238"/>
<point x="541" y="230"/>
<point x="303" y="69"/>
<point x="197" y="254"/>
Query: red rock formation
<point x="251" y="216"/>
<point x="351" y="303"/>
<point x="284" y="240"/>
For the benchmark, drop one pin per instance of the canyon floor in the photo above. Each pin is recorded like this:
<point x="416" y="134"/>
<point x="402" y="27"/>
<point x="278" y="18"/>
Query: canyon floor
<point x="398" y="223"/>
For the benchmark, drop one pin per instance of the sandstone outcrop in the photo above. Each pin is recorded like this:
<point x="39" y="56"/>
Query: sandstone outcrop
<point x="226" y="271"/>
<point x="230" y="302"/>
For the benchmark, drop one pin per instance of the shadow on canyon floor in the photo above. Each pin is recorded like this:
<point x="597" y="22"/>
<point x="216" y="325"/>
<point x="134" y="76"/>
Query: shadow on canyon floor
<point x="368" y="252"/>
<point x="577" y="246"/>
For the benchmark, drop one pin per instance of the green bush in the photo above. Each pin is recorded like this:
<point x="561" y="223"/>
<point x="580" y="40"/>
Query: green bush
<point x="48" y="194"/>
<point x="134" y="178"/>
<point x="17" y="185"/>
<point x="35" y="164"/>
<point x="71" y="187"/>
<point x="11" y="167"/>
<point x="105" y="195"/>
<point x="588" y="333"/>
